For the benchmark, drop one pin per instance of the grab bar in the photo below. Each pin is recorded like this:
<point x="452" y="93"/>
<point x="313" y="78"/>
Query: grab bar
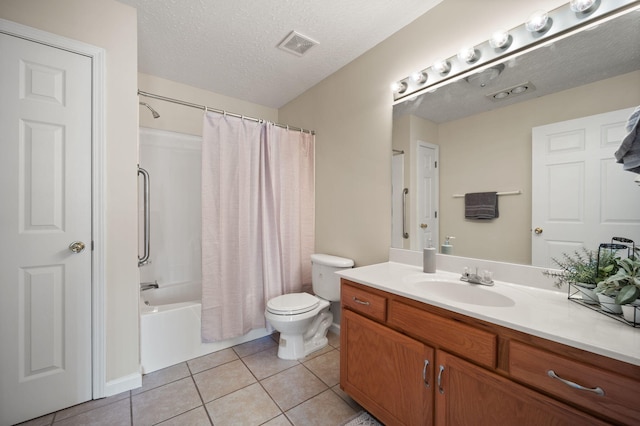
<point x="144" y="259"/>
<point x="405" y="234"/>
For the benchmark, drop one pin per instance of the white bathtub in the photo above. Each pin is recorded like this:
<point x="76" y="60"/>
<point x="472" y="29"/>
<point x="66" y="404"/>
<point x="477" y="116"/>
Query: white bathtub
<point x="170" y="327"/>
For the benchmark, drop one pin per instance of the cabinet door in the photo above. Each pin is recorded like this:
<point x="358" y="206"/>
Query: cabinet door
<point x="470" y="395"/>
<point x="389" y="374"/>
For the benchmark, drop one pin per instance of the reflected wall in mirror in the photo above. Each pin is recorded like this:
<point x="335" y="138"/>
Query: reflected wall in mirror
<point x="486" y="145"/>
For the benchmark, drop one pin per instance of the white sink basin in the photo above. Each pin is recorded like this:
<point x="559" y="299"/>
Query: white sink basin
<point x="461" y="292"/>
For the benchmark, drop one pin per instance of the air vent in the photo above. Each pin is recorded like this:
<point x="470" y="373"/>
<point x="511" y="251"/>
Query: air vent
<point x="512" y="91"/>
<point x="297" y="44"/>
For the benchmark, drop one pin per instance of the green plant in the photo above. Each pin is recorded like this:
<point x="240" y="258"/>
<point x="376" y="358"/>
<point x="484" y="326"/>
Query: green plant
<point x="583" y="267"/>
<point x="625" y="282"/>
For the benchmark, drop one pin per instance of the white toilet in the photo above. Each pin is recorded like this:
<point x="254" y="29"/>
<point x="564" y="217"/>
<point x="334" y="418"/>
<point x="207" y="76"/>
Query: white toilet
<point x="303" y="319"/>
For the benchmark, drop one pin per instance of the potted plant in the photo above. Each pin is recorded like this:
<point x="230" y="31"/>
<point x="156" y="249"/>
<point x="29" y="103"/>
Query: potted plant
<point x="583" y="270"/>
<point x="624" y="285"/>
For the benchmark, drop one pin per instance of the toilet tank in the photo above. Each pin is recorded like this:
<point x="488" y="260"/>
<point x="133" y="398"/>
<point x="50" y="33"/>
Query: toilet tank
<point x="326" y="284"/>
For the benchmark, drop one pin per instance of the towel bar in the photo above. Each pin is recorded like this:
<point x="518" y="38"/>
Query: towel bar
<point x="518" y="192"/>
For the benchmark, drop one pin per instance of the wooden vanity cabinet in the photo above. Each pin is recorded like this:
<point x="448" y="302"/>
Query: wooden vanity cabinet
<point x="475" y="372"/>
<point x="470" y="395"/>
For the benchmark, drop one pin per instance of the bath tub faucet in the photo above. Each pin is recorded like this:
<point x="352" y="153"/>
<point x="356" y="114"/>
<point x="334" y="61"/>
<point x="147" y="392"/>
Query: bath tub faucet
<point x="149" y="285"/>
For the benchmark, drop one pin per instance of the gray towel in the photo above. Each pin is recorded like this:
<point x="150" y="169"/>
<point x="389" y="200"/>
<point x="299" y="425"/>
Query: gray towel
<point x="629" y="152"/>
<point x="481" y="205"/>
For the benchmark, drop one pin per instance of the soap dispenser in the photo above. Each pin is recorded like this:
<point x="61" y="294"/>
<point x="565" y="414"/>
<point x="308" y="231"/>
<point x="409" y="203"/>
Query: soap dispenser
<point x="447" y="248"/>
<point x="429" y="259"/>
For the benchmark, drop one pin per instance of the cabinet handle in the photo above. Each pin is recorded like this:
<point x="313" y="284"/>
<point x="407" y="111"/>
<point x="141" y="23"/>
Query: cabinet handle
<point x="424" y="373"/>
<point x="361" y="302"/>
<point x="598" y="390"/>
<point x="440" y="380"/>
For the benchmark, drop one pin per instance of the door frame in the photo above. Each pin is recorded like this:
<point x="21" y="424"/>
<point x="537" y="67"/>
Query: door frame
<point x="98" y="208"/>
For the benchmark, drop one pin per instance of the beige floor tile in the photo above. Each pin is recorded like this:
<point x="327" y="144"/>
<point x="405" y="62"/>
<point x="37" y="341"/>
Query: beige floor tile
<point x="334" y="339"/>
<point x="116" y="414"/>
<point x="281" y="420"/>
<point x="195" y="417"/>
<point x="212" y="360"/>
<point x="266" y="363"/>
<point x="326" y="409"/>
<point x="89" y="405"/>
<point x="254" y="346"/>
<point x="223" y="380"/>
<point x="40" y="421"/>
<point x="162" y="377"/>
<point x="165" y="402"/>
<point x="326" y="367"/>
<point x="352" y="403"/>
<point x="293" y="386"/>
<point x="248" y="406"/>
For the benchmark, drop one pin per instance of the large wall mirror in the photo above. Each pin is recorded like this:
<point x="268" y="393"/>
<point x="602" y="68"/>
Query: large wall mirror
<point x="483" y="144"/>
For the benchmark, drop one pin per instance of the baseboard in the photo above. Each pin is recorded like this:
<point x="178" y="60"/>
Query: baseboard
<point x="335" y="328"/>
<point x="123" y="384"/>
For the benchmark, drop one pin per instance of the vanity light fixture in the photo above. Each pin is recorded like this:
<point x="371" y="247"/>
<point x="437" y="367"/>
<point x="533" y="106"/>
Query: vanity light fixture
<point x="468" y="55"/>
<point x="538" y="22"/>
<point x="419" y="77"/>
<point x="500" y="39"/>
<point x="512" y="91"/>
<point x="442" y="67"/>
<point x="541" y="29"/>
<point x="583" y="6"/>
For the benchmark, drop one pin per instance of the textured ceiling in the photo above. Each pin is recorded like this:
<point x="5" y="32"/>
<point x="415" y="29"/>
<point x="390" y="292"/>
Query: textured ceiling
<point x="230" y="46"/>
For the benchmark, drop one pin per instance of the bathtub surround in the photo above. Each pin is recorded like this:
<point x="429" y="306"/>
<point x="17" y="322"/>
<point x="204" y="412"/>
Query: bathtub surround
<point x="257" y="220"/>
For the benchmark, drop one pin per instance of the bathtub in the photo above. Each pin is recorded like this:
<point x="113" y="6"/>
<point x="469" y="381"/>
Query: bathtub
<point x="170" y="327"/>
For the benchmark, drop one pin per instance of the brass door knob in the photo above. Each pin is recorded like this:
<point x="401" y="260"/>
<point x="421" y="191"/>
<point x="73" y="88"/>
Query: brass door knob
<point x="76" y="246"/>
<point x="424" y="225"/>
<point x="538" y="231"/>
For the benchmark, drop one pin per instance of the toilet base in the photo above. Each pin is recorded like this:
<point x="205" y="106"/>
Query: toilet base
<point x="298" y="346"/>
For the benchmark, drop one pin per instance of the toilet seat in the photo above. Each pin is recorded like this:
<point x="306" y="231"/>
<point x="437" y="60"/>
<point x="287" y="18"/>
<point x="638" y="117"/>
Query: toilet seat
<point x="292" y="304"/>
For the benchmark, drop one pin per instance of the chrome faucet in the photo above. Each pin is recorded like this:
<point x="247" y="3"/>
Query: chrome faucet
<point x="484" y="279"/>
<point x="149" y="285"/>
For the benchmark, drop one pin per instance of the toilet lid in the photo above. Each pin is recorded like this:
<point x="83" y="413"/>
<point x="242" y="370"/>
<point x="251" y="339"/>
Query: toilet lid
<point x="293" y="303"/>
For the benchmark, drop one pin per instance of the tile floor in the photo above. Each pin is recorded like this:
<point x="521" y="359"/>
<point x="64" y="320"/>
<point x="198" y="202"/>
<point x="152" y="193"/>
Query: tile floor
<point x="244" y="385"/>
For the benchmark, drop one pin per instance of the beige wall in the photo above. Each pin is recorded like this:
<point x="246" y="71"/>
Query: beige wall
<point x="492" y="152"/>
<point x="113" y="27"/>
<point x="351" y="113"/>
<point x="179" y="118"/>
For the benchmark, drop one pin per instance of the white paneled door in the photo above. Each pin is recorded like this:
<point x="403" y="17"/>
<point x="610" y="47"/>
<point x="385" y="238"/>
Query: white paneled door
<point x="45" y="228"/>
<point x="427" y="195"/>
<point x="580" y="196"/>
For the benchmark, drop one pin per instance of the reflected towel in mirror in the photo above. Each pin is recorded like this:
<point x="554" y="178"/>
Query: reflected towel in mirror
<point x="481" y="205"/>
<point x="629" y="152"/>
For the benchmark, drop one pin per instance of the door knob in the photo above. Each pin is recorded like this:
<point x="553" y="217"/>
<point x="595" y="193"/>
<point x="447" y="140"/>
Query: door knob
<point x="424" y="225"/>
<point x="76" y="246"/>
<point x="538" y="231"/>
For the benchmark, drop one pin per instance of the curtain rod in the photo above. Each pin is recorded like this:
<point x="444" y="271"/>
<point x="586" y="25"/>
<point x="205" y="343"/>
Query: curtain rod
<point x="219" y="111"/>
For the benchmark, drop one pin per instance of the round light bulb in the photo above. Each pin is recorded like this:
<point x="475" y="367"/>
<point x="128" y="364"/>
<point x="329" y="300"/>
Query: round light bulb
<point x="419" y="77"/>
<point x="500" y="39"/>
<point x="537" y="21"/>
<point x="468" y="55"/>
<point x="581" y="6"/>
<point x="442" y="66"/>
<point x="399" y="87"/>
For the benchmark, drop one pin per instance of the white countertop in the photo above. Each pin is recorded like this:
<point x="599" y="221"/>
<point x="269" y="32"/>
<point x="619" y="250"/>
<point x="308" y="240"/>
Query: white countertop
<point x="540" y="312"/>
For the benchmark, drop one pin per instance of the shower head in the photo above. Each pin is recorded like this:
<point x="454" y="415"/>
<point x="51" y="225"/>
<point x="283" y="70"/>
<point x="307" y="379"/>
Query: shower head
<point x="153" y="111"/>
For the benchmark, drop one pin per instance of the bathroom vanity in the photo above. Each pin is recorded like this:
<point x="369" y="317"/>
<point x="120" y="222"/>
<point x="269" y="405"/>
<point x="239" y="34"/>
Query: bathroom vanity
<point x="422" y="349"/>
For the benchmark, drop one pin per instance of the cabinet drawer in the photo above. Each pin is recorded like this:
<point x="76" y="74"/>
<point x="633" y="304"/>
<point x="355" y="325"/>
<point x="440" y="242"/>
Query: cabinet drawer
<point x="463" y="339"/>
<point x="619" y="398"/>
<point x="364" y="302"/>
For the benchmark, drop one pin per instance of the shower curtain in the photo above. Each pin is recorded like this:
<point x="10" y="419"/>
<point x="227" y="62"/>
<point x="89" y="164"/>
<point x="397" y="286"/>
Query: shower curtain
<point x="257" y="220"/>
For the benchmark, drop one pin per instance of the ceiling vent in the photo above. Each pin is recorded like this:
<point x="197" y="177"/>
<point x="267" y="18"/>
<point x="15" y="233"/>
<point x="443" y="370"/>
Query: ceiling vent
<point x="297" y="44"/>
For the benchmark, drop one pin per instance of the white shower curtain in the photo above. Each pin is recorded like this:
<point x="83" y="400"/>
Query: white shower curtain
<point x="257" y="220"/>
